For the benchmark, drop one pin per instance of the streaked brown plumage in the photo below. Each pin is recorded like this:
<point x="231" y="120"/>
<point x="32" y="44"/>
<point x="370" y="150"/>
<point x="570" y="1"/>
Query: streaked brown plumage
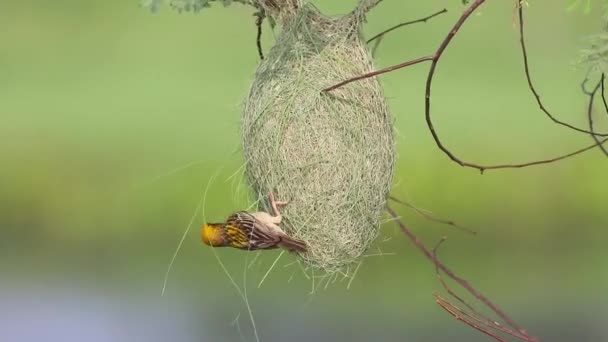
<point x="251" y="231"/>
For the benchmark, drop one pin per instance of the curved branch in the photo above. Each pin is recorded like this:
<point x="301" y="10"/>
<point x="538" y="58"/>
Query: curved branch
<point x="460" y="281"/>
<point x="259" y="20"/>
<point x="432" y="217"/>
<point x="591" y="95"/>
<point x="429" y="81"/>
<point x="434" y="59"/>
<point x="604" y="94"/>
<point x="421" y="20"/>
<point x="540" y="103"/>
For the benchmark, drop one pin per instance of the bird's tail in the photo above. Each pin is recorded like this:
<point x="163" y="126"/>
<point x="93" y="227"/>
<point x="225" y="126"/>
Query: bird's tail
<point x="293" y="245"/>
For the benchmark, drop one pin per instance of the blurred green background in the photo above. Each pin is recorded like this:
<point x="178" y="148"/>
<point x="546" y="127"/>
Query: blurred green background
<point x="115" y="120"/>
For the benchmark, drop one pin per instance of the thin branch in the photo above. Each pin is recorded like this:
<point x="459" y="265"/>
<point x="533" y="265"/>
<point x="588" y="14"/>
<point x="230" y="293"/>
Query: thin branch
<point x="541" y="105"/>
<point x="590" y="113"/>
<point x="443" y="283"/>
<point x="431" y="217"/>
<point x="367" y="5"/>
<point x="376" y="45"/>
<point x="422" y="20"/>
<point x="473" y="316"/>
<point x="584" y="87"/>
<point x="457" y="313"/>
<point x="470" y="318"/>
<point x="429" y="81"/>
<point x="434" y="59"/>
<point x="460" y="281"/>
<point x="538" y="162"/>
<point x="604" y="94"/>
<point x="379" y="72"/>
<point x="259" y="20"/>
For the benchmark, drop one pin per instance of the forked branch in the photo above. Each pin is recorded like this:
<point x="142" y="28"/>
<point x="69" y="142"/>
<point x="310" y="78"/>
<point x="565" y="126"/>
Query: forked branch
<point x="541" y="105"/>
<point x="434" y="60"/>
<point x="469" y="318"/>
<point x="393" y="28"/>
<point x="591" y="94"/>
<point x="432" y="217"/>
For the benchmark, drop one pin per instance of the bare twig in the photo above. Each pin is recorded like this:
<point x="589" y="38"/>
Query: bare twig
<point x="460" y="281"/>
<point x="604" y="94"/>
<point x="431" y="58"/>
<point x="482" y="168"/>
<point x="458" y="314"/>
<point x="584" y="87"/>
<point x="259" y="20"/>
<point x="422" y="20"/>
<point x="452" y="156"/>
<point x="473" y="318"/>
<point x="522" y="42"/>
<point x="434" y="59"/>
<point x="591" y="95"/>
<point x="379" y="72"/>
<point x="480" y="323"/>
<point x="432" y="217"/>
<point x="443" y="283"/>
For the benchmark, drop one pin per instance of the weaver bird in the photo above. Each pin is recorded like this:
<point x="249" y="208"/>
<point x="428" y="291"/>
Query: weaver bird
<point x="251" y="231"/>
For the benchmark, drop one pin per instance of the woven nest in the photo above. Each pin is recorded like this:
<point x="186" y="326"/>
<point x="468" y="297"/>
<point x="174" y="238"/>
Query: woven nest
<point x="331" y="155"/>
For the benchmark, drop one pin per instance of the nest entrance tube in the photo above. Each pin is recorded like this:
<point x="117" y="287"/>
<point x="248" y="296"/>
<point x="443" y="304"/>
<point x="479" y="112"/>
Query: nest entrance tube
<point x="331" y="155"/>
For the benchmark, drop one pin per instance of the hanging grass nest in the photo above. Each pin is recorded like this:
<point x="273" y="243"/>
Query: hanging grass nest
<point x="331" y="155"/>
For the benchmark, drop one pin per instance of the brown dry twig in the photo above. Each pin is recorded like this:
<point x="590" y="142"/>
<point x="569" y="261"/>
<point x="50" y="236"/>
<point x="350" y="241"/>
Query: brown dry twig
<point x="462" y="316"/>
<point x="541" y="105"/>
<point x="604" y="94"/>
<point x="378" y="37"/>
<point x="591" y="94"/>
<point x="259" y="20"/>
<point x="434" y="59"/>
<point x="470" y="319"/>
<point x="432" y="217"/>
<point x="392" y="28"/>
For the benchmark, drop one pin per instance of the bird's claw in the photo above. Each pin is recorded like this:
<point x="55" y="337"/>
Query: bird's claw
<point x="275" y="204"/>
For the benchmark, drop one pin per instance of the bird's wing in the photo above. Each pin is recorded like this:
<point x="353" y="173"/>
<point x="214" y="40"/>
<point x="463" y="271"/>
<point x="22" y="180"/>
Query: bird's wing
<point x="257" y="234"/>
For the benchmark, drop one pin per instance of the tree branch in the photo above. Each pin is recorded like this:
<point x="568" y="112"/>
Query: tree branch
<point x="460" y="281"/>
<point x="379" y="72"/>
<point x="259" y="20"/>
<point x="421" y="20"/>
<point x="434" y="59"/>
<point x="591" y="95"/>
<point x="604" y="94"/>
<point x="432" y="217"/>
<point x="540" y="103"/>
